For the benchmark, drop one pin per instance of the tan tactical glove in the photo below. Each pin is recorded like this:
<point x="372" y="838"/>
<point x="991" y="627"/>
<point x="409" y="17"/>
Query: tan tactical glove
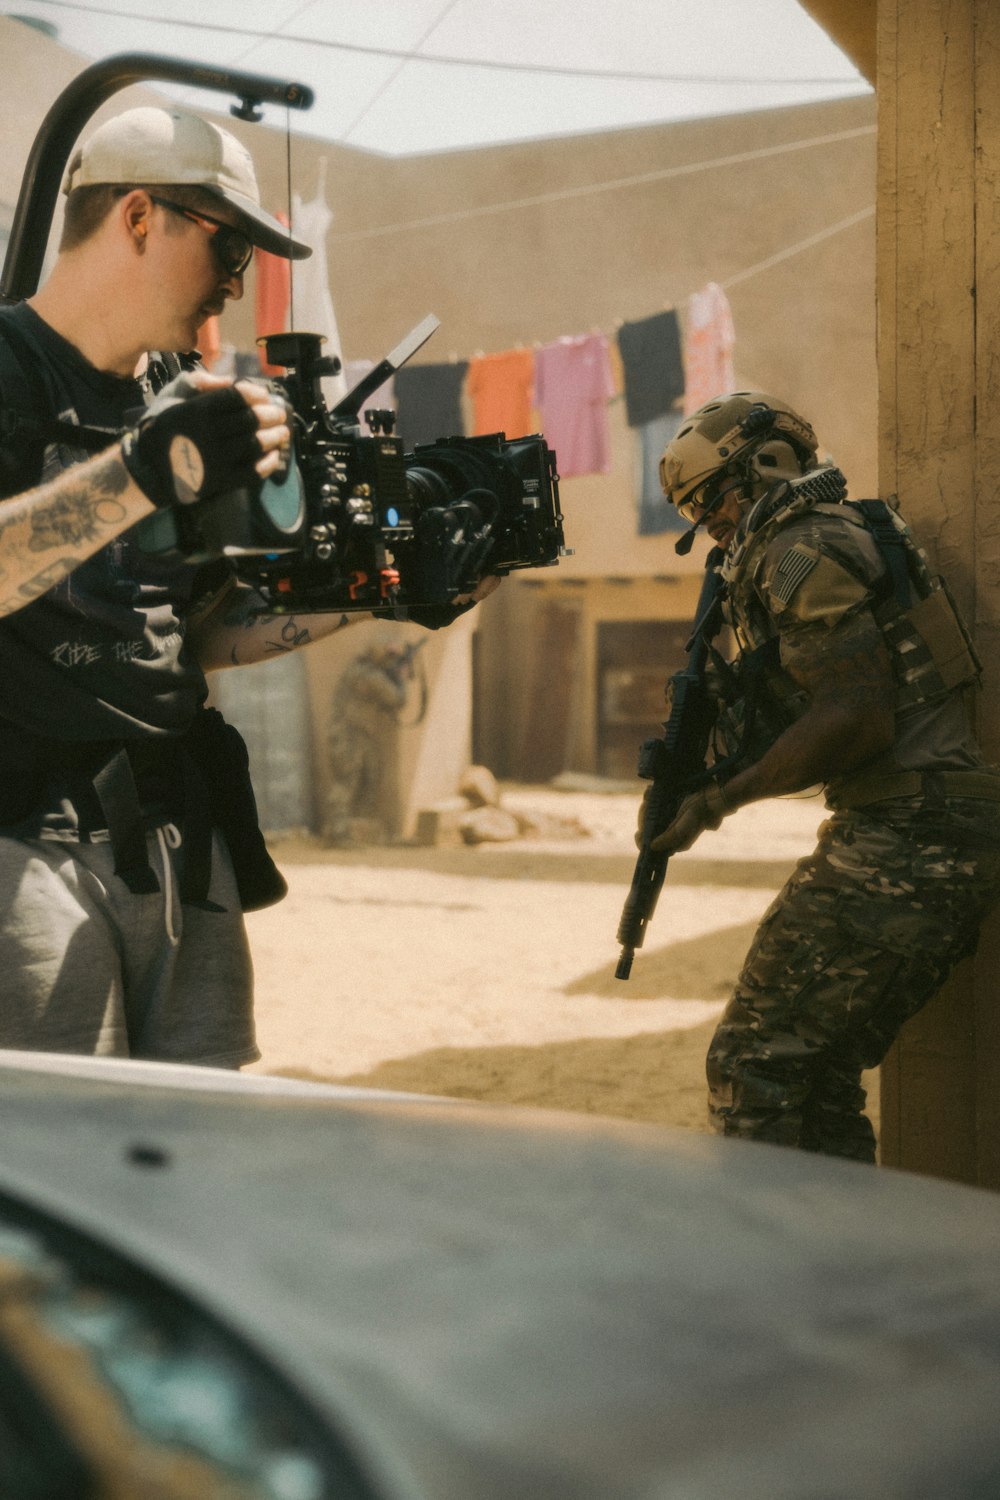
<point x="705" y="808"/>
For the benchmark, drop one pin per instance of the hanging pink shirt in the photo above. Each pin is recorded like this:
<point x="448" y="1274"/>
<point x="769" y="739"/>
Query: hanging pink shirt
<point x="573" y="385"/>
<point x="708" y="348"/>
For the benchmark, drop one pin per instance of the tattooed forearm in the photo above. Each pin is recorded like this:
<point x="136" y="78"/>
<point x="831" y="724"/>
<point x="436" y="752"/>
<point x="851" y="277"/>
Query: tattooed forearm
<point x="80" y="516"/>
<point x="290" y="639"/>
<point x="87" y="508"/>
<point x="73" y="516"/>
<point x="240" y="646"/>
<point x="265" y="642"/>
<point x="33" y="588"/>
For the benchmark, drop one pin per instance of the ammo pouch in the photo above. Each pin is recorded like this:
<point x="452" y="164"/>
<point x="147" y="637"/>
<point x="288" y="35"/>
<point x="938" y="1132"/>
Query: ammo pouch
<point x="931" y="649"/>
<point x="220" y="756"/>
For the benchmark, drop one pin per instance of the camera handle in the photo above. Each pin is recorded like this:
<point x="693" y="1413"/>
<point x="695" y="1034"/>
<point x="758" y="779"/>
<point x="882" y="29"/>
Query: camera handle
<point x="349" y="408"/>
<point x="300" y="352"/>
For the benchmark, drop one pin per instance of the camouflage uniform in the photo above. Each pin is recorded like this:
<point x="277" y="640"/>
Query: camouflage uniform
<point x="869" y="925"/>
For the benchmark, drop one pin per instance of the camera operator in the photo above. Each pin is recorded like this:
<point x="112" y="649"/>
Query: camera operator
<point x="128" y="838"/>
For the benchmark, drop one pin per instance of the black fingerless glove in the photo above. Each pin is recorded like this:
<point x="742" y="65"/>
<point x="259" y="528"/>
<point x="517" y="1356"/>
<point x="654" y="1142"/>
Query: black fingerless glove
<point x="192" y="445"/>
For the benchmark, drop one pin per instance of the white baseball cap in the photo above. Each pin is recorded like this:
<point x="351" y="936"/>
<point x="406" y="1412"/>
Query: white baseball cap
<point x="157" y="147"/>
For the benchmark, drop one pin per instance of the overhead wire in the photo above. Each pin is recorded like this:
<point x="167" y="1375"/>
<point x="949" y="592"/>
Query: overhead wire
<point x="615" y="184"/>
<point x="386" y="84"/>
<point x="798" y="247"/>
<point x="256" y="38"/>
<point x="444" y="60"/>
<point x="760" y="266"/>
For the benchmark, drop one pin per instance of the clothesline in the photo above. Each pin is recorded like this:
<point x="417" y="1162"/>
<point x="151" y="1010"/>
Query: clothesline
<point x="781" y="255"/>
<point x="798" y="247"/>
<point x="737" y="279"/>
<point x="760" y="266"/>
<point x="613" y="185"/>
<point x="569" y="380"/>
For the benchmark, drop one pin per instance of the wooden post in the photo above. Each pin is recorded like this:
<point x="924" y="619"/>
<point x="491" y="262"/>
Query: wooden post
<point x="938" y="273"/>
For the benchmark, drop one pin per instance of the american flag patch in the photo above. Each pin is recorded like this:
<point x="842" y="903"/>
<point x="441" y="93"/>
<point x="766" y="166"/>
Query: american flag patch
<point x="797" y="563"/>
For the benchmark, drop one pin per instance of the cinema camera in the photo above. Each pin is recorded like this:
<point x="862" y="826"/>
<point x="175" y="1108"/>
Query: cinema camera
<point x="356" y="523"/>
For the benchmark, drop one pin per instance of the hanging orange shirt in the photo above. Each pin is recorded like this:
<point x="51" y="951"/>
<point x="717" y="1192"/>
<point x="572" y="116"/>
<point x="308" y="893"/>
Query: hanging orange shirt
<point x="273" y="290"/>
<point x="501" y="387"/>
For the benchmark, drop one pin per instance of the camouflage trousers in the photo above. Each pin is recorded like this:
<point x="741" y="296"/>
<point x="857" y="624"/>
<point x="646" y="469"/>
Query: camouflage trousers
<point x="864" y="933"/>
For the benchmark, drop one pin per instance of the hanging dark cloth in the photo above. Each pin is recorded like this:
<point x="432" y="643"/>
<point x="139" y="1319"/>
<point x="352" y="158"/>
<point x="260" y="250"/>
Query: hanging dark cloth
<point x="653" y="366"/>
<point x="429" y="402"/>
<point x="656" y="513"/>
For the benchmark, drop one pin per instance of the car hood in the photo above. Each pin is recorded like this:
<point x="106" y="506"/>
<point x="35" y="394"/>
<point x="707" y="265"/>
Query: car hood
<point x="493" y="1301"/>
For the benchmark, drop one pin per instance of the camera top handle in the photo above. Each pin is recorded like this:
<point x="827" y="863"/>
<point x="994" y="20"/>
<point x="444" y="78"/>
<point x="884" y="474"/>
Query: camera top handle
<point x="301" y="355"/>
<point x="58" y="132"/>
<point x="349" y="408"/>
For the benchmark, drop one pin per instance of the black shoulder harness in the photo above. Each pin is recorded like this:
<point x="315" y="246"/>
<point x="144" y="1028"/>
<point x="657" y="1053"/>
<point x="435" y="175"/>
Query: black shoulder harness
<point x="878" y="518"/>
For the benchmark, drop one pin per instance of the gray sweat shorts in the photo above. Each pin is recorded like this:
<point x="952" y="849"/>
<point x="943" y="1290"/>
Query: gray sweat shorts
<point x="88" y="967"/>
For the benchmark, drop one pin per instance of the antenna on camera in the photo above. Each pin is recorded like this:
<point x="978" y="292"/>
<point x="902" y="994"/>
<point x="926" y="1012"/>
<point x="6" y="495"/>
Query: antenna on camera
<point x="355" y="399"/>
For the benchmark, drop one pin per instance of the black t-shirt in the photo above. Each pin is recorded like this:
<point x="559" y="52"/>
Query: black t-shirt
<point x="100" y="656"/>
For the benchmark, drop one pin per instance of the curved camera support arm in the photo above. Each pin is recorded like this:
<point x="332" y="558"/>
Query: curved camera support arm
<point x="73" y="108"/>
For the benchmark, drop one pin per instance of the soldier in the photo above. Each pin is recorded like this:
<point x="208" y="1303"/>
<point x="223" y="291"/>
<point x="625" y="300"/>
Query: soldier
<point x="851" y="671"/>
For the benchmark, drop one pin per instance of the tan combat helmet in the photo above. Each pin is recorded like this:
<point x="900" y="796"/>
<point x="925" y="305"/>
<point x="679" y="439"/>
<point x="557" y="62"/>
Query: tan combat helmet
<point x="748" y="434"/>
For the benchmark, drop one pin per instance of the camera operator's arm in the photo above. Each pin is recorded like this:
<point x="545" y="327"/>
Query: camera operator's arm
<point x="48" y="532"/>
<point x="232" y="632"/>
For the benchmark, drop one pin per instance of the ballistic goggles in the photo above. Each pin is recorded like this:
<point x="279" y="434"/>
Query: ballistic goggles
<point x="704" y="499"/>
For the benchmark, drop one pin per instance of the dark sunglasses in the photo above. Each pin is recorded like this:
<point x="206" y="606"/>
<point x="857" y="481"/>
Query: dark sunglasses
<point x="232" y="248"/>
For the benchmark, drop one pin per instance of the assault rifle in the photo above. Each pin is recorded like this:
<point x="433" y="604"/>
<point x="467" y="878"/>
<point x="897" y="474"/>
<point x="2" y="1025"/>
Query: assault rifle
<point x="675" y="764"/>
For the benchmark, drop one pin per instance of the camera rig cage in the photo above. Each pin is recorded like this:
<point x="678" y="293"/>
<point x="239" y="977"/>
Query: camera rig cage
<point x="353" y="522"/>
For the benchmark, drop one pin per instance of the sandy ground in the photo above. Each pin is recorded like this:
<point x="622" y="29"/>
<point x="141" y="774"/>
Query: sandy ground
<point x="487" y="972"/>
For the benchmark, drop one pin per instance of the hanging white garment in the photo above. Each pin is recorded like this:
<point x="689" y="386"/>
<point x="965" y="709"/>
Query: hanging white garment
<point x="312" y="302"/>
